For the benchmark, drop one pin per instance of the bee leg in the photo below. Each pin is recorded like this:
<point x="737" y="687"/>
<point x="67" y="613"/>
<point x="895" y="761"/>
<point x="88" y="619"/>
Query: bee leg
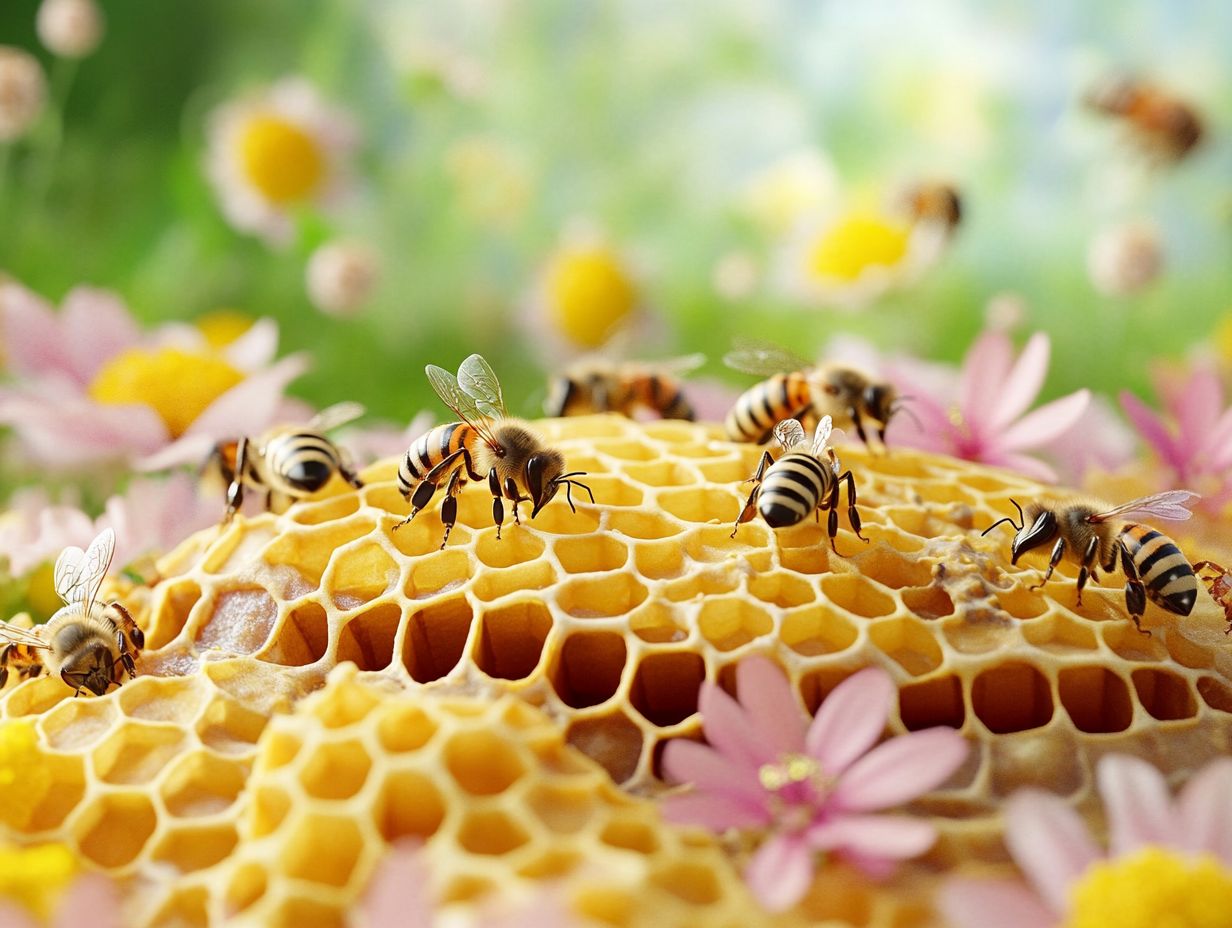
<point x="750" y="505"/>
<point x="859" y="424"/>
<point x="427" y="486"/>
<point x="1087" y="569"/>
<point x="512" y="493"/>
<point x="449" y="508"/>
<point x="4" y="664"/>
<point x="1135" y="592"/>
<point x="830" y="504"/>
<point x="1058" y="551"/>
<point x="348" y="473"/>
<point x="235" y="492"/>
<point x="498" y="503"/>
<point x="126" y="658"/>
<point x="853" y="515"/>
<point x="131" y="628"/>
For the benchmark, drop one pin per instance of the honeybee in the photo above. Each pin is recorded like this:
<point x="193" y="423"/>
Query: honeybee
<point x="801" y="481"/>
<point x="288" y="463"/>
<point x="88" y="644"/>
<point x="484" y="444"/>
<point x="797" y="389"/>
<point x="933" y="201"/>
<point x="1164" y="124"/>
<point x="1218" y="580"/>
<point x="600" y="385"/>
<point x="1093" y="536"/>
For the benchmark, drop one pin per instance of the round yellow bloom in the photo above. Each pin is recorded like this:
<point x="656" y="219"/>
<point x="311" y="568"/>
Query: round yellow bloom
<point x="589" y="294"/>
<point x="41" y="590"/>
<point x="1154" y="888"/>
<point x="177" y="384"/>
<point x="858" y="241"/>
<point x="24" y="773"/>
<point x="221" y="327"/>
<point x="281" y="160"/>
<point x="36" y="877"/>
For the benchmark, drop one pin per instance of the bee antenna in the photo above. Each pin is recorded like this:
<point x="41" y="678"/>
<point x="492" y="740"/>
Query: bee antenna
<point x="1022" y="520"/>
<point x="899" y="406"/>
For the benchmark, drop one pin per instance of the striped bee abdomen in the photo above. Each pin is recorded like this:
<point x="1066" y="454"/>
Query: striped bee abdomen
<point x="662" y="394"/>
<point x="430" y="449"/>
<point x="303" y="461"/>
<point x="792" y="488"/>
<point x="761" y="406"/>
<point x="1169" y="580"/>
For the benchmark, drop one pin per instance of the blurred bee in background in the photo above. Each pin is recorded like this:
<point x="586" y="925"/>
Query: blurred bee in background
<point x="288" y="463"/>
<point x="933" y="202"/>
<point x="798" y="389"/>
<point x="600" y="385"/>
<point x="805" y="479"/>
<point x="484" y="444"/>
<point x="1218" y="580"/>
<point x="1093" y="536"/>
<point x="88" y="644"/>
<point x="1164" y="125"/>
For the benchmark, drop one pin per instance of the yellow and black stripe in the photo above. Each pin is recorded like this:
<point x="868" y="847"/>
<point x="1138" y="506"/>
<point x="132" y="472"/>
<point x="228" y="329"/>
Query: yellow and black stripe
<point x="1162" y="568"/>
<point x="663" y="395"/>
<point x="430" y="449"/>
<point x="302" y="461"/>
<point x="792" y="488"/>
<point x="763" y="405"/>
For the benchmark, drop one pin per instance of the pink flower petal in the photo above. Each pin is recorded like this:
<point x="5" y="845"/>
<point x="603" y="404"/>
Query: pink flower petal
<point x="96" y="326"/>
<point x="14" y="916"/>
<point x="716" y="813"/>
<point x="728" y="727"/>
<point x="780" y="872"/>
<point x="255" y="348"/>
<point x="27" y="320"/>
<point x="399" y="894"/>
<point x="896" y="837"/>
<point x="1204" y="811"/>
<point x="249" y="406"/>
<point x="984" y="370"/>
<point x="686" y="761"/>
<point x="1049" y="843"/>
<point x="766" y="695"/>
<point x="1040" y="426"/>
<point x="900" y="769"/>
<point x="1024" y="464"/>
<point x="92" y="900"/>
<point x="971" y="903"/>
<point x="1198" y="408"/>
<point x="1136" y="803"/>
<point x="850" y="719"/>
<point x="1023" y="384"/>
<point x="1153" y="430"/>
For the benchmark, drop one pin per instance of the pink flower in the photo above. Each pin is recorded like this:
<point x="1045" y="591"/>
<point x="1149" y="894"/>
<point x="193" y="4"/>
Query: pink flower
<point x="90" y="387"/>
<point x="808" y="789"/>
<point x="1195" y="441"/>
<point x="1098" y="441"/>
<point x="1181" y="844"/>
<point x="90" y="900"/>
<point x="978" y="413"/>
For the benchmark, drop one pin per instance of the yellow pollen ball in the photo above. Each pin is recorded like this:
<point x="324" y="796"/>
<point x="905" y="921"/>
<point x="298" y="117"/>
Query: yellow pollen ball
<point x="24" y="774"/>
<point x="1153" y="888"/>
<point x="177" y="384"/>
<point x="281" y="160"/>
<point x="41" y="591"/>
<point x="223" y="326"/>
<point x="589" y="295"/>
<point x="854" y="244"/>
<point x="36" y="877"/>
<point x="793" y="768"/>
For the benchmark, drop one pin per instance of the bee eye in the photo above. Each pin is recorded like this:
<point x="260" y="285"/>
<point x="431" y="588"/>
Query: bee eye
<point x="534" y="475"/>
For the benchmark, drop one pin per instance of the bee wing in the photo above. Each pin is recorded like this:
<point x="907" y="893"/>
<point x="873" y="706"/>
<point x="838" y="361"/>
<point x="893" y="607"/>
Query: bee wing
<point x="822" y="436"/>
<point x="79" y="574"/>
<point x="758" y="357"/>
<point x="680" y="366"/>
<point x="24" y="636"/>
<point x="789" y="433"/>
<point x="334" y="416"/>
<point x="1171" y="505"/>
<point x="452" y="395"/>
<point x="478" y="381"/>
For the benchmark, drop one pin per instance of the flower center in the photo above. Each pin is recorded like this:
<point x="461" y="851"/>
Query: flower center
<point x="1154" y="888"/>
<point x="791" y="769"/>
<point x="589" y="295"/>
<point x="177" y="384"/>
<point x="855" y="243"/>
<point x="36" y="877"/>
<point x="222" y="327"/>
<point x="280" y="159"/>
<point x="796" y="783"/>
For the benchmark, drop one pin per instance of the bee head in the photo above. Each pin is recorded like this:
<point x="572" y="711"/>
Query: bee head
<point x="880" y="401"/>
<point x="1033" y="533"/>
<point x="544" y="477"/>
<point x="94" y="671"/>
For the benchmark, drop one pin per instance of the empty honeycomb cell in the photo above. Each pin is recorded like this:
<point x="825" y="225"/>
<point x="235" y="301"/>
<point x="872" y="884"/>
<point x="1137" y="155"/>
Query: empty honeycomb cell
<point x="659" y="560"/>
<point x="1058" y="634"/>
<point x="421" y="536"/>
<point x="327" y="510"/>
<point x="296" y="911"/>
<point x="729" y="623"/>
<point x="909" y="643"/>
<point x="438" y="572"/>
<point x="279" y="749"/>
<point x="491" y="832"/>
<point x="981" y="630"/>
<point x="1096" y="699"/>
<point x="185" y="908"/>
<point x="626" y="450"/>
<point x="201" y="784"/>
<point x="1186" y="652"/>
<point x="936" y="701"/>
<point x="781" y="589"/>
<point x="361" y="573"/>
<point x="565" y="808"/>
<point x="511" y="640"/>
<point x="465" y="888"/>
<point x="267" y="810"/>
<point x="698" y="505"/>
<point x="611" y="490"/>
<point x="613" y="741"/>
<point x="508" y="550"/>
<point x="193" y="848"/>
<point x="113" y="828"/>
<point x="163" y="699"/>
<point x="230" y="728"/>
<point x="816" y="629"/>
<point x="606" y="905"/>
<point x="1130" y="644"/>
<point x="78" y="723"/>
<point x="558" y="519"/>
<point x="248" y="884"/>
<point x="692" y="882"/>
<point x="729" y="471"/>
<point x="665" y="687"/>
<point x="409" y="805"/>
<point x="551" y="864"/>
<point x="630" y="834"/>
<point x="645" y="524"/>
<point x="169" y="612"/>
<point x="656" y="623"/>
<point x="435" y="638"/>
<point x="64" y="794"/>
<point x="803" y="559"/>
<point x="661" y="473"/>
<point x="712" y="544"/>
<point x="308" y="551"/>
<point x="913" y="520"/>
<point x="136" y="753"/>
<point x="240" y="622"/>
<point x="1215" y="693"/>
<point x="587" y="668"/>
<point x="367" y="640"/>
<point x="335" y="770"/>
<point x="854" y="593"/>
<point x="1164" y="694"/>
<point x="302" y="638"/>
<point x="928" y="602"/>
<point x="890" y="536"/>
<point x="330" y="861"/>
<point x="594" y="597"/>
<point x="494" y="584"/>
<point x="1012" y="696"/>
<point x="483" y="763"/>
<point x="1020" y="602"/>
<point x="405" y="728"/>
<point x="891" y="569"/>
<point x="584" y="554"/>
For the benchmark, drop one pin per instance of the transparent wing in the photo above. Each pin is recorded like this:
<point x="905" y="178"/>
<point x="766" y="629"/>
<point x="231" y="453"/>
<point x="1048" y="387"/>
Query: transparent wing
<point x="757" y="357"/>
<point x="478" y="381"/>
<point x="679" y="366"/>
<point x="21" y="636"/>
<point x="822" y="436"/>
<point x="331" y="417"/>
<point x="789" y="433"/>
<point x="1171" y="505"/>
<point x="79" y="574"/>
<point x="446" y="387"/>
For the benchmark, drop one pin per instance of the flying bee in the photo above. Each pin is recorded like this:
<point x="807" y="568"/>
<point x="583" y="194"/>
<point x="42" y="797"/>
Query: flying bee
<point x="1093" y="536"/>
<point x="1163" y="124"/>
<point x="1218" y="582"/>
<point x="288" y="463"/>
<point x="933" y="201"/>
<point x="484" y="444"/>
<point x="806" y="478"/>
<point x="600" y="385"/>
<point x="88" y="644"/>
<point x="797" y="389"/>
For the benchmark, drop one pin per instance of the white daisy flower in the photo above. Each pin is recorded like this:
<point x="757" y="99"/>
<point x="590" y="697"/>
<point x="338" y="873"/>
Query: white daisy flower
<point x="341" y="277"/>
<point x="278" y="151"/>
<point x="797" y="185"/>
<point x="23" y="92"/>
<point x="69" y="28"/>
<point x="1124" y="259"/>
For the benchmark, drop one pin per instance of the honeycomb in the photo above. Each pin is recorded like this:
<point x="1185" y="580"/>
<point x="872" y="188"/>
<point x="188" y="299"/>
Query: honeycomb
<point x="211" y="782"/>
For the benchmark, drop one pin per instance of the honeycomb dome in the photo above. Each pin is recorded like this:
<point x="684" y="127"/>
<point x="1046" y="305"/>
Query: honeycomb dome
<point x="606" y="620"/>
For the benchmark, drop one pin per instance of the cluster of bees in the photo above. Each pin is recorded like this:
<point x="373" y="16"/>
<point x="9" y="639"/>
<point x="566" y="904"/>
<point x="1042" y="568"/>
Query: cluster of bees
<point x="92" y="645"/>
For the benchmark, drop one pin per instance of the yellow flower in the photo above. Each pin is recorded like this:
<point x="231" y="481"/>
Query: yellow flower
<point x="24" y="774"/>
<point x="588" y="293"/>
<point x="41" y="591"/>
<point x="856" y="243"/>
<point x="1154" y="888"/>
<point x="221" y="327"/>
<point x="798" y="185"/>
<point x="280" y="159"/>
<point x="37" y="877"/>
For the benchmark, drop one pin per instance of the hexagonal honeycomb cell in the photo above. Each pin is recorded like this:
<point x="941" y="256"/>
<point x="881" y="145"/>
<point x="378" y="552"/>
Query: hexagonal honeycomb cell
<point x="607" y="620"/>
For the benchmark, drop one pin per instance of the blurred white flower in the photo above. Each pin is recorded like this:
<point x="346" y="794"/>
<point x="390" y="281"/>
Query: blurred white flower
<point x="803" y="183"/>
<point x="1005" y="312"/>
<point x="735" y="275"/>
<point x="341" y="277"/>
<point x="276" y="151"/>
<point x="1123" y="259"/>
<point x="70" y="28"/>
<point x="23" y="92"/>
